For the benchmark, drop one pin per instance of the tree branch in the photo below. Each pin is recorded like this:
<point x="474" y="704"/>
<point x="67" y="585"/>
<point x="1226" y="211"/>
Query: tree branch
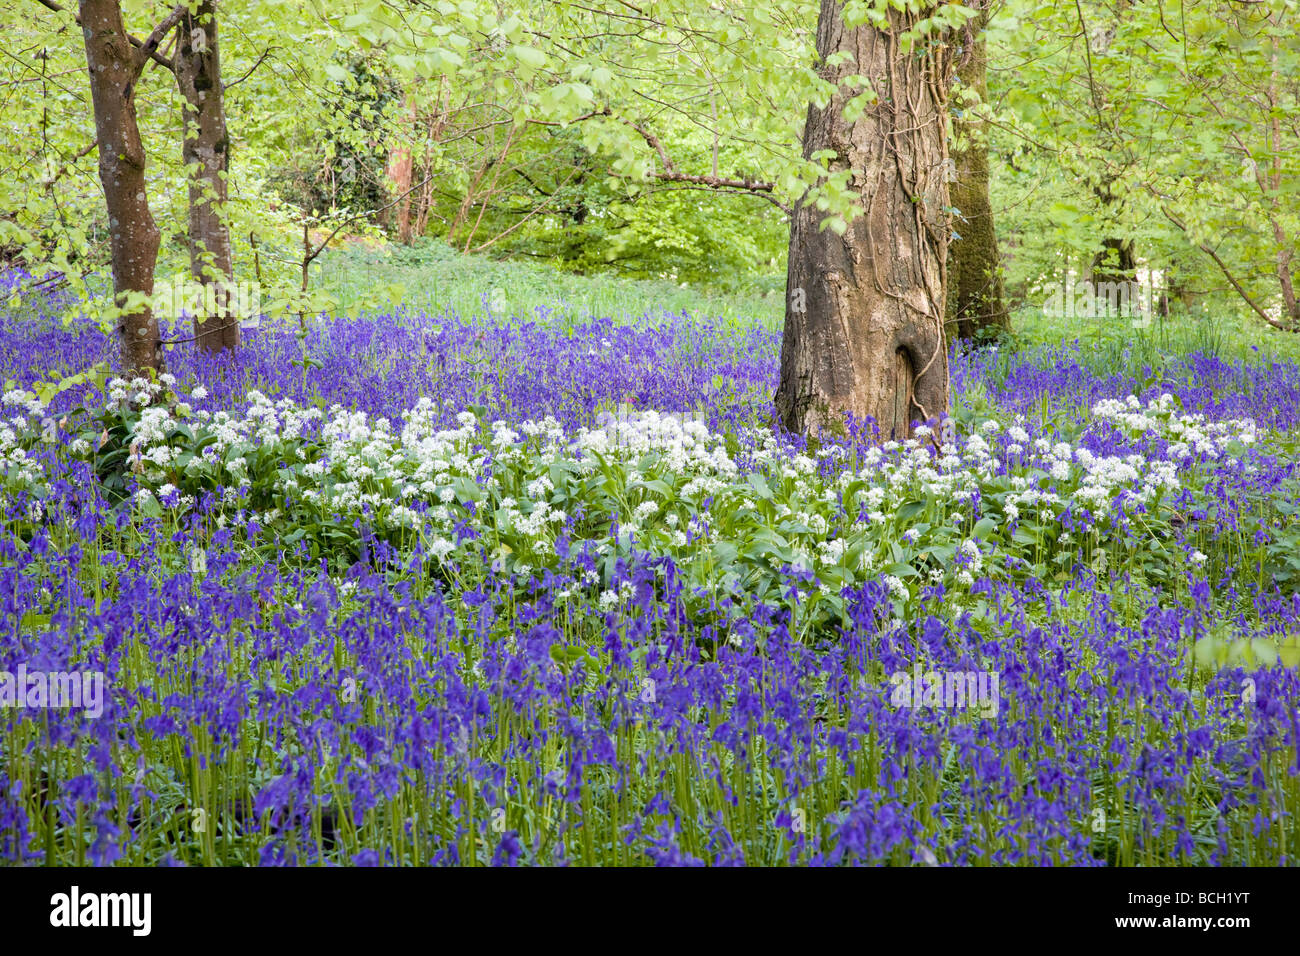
<point x="312" y="254"/>
<point x="59" y="173"/>
<point x="150" y="46"/>
<point x="135" y="41"/>
<point x="653" y="141"/>
<point x="249" y="72"/>
<point x="671" y="174"/>
<point x="1227" y="274"/>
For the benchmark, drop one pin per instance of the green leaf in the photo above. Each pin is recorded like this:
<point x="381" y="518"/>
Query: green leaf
<point x="760" y="486"/>
<point x="909" y="510"/>
<point x="466" y="490"/>
<point x="529" y="57"/>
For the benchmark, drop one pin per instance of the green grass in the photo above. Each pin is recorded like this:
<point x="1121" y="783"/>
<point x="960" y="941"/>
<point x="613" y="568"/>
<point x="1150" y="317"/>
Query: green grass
<point x="1114" y="345"/>
<point x="432" y="277"/>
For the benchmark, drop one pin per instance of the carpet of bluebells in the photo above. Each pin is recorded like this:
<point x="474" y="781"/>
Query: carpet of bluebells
<point x="415" y="590"/>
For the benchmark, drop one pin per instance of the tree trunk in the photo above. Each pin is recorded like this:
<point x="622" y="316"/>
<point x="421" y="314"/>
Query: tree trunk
<point x="133" y="234"/>
<point x="1178" y="290"/>
<point x="206" y="153"/>
<point x="864" y="311"/>
<point x="975" y="296"/>
<point x="400" y="168"/>
<point x="432" y="134"/>
<point x="1116" y="262"/>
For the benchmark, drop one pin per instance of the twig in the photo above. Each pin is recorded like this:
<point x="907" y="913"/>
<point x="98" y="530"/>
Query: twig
<point x="249" y="71"/>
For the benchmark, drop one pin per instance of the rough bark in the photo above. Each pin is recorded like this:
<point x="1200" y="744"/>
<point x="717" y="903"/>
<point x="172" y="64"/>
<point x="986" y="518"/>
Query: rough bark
<point x="864" y="311"/>
<point x="206" y="153"/>
<point x="133" y="234"/>
<point x="976" y="301"/>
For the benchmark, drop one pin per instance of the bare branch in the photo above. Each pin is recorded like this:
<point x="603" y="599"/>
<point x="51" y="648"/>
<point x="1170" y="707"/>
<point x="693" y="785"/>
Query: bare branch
<point x="312" y="254"/>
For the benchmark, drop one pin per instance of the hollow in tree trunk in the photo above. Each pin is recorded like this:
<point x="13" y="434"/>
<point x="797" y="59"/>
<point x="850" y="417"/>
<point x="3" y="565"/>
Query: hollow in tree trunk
<point x="864" y="311"/>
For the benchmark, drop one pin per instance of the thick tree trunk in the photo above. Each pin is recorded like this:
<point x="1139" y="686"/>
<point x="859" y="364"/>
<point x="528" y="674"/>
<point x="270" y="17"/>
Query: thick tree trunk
<point x="133" y="234"/>
<point x="1116" y="262"/>
<point x="864" y="311"/>
<point x="206" y="153"/>
<point x="976" y="301"/>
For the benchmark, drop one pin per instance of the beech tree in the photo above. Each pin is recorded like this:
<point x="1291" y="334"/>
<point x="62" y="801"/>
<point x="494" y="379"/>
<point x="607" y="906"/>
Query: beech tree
<point x="206" y="154"/>
<point x="1157" y="134"/>
<point x="116" y="60"/>
<point x="115" y="64"/>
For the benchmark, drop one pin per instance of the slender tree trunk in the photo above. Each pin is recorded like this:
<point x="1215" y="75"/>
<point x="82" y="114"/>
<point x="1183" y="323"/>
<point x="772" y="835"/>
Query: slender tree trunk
<point x="864" y="311"/>
<point x="1177" y="277"/>
<point x="400" y="168"/>
<point x="133" y="234"/>
<point x="432" y="134"/>
<point x="206" y="153"/>
<point x="1116" y="260"/>
<point x="975" y="296"/>
<point x="1286" y="245"/>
